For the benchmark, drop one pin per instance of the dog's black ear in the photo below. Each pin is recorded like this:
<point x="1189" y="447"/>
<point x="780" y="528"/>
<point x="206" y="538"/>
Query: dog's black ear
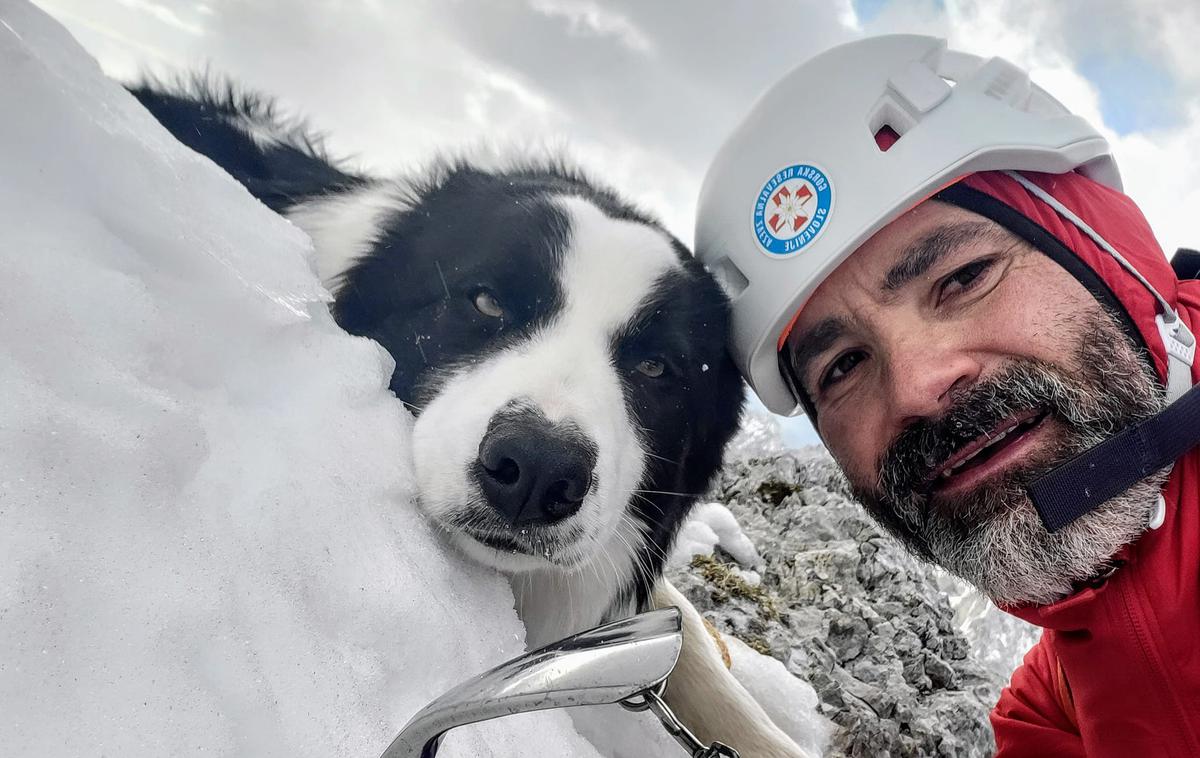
<point x="355" y="310"/>
<point x="218" y="119"/>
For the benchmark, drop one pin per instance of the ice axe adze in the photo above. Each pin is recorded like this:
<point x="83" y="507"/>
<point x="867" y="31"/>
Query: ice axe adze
<point x="625" y="662"/>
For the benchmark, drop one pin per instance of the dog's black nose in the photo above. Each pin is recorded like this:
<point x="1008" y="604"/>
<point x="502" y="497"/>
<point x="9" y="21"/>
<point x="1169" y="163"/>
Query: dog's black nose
<point x="532" y="471"/>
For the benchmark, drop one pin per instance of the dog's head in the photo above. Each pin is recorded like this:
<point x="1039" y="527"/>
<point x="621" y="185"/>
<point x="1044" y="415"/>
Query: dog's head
<point x="564" y="357"/>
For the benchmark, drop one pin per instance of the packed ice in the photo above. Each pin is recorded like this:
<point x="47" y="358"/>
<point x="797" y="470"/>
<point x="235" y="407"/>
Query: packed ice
<point x="208" y="534"/>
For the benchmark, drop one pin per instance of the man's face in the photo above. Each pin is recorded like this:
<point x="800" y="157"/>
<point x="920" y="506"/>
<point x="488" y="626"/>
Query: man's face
<point x="950" y="364"/>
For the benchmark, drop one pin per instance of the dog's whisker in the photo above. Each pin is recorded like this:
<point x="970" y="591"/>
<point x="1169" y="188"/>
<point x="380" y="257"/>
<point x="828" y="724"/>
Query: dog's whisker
<point x="641" y="559"/>
<point x="662" y="511"/>
<point x="611" y="563"/>
<point x="411" y="406"/>
<point x="654" y="550"/>
<point x="661" y="458"/>
<point x="665" y="492"/>
<point x="442" y="277"/>
<point x="639" y="565"/>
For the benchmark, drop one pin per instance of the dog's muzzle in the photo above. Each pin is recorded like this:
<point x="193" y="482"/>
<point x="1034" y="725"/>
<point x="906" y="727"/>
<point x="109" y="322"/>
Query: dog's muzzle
<point x="534" y="472"/>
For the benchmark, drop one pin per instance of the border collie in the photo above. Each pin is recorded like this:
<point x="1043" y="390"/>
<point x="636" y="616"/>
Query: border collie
<point x="563" y="356"/>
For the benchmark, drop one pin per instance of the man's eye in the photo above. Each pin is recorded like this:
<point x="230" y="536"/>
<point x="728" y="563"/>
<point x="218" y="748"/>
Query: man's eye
<point x="840" y="368"/>
<point x="965" y="278"/>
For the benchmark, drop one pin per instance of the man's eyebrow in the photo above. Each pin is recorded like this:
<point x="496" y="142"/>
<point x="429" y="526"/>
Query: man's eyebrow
<point x="812" y="342"/>
<point x="924" y="254"/>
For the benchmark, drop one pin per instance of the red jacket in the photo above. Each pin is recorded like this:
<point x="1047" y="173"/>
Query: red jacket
<point x="1117" y="671"/>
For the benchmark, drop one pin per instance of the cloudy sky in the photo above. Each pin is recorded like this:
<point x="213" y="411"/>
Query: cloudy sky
<point x="643" y="92"/>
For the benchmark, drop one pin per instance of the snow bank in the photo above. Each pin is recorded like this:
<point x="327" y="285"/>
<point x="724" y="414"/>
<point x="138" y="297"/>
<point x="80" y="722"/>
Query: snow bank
<point x="790" y="701"/>
<point x="206" y="523"/>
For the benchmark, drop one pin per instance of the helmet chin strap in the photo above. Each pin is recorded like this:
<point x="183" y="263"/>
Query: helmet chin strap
<point x="1112" y="467"/>
<point x="1121" y="461"/>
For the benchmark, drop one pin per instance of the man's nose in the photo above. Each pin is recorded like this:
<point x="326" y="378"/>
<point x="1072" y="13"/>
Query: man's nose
<point x="926" y="371"/>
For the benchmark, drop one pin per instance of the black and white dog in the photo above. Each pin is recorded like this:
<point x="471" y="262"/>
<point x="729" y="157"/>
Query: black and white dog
<point x="563" y="354"/>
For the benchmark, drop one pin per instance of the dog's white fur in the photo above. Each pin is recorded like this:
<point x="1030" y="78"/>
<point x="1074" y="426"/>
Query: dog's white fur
<point x="344" y="226"/>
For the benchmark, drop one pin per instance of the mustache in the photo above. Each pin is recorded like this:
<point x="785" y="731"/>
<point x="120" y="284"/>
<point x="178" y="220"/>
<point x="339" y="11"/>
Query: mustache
<point x="1025" y="390"/>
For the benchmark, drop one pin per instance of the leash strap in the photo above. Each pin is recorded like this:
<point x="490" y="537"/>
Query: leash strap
<point x="1112" y="467"/>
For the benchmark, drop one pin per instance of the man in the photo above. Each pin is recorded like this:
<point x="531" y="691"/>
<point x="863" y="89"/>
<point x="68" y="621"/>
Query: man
<point x="933" y="258"/>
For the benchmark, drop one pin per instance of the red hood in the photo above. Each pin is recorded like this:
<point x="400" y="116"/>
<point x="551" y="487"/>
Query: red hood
<point x="1119" y="221"/>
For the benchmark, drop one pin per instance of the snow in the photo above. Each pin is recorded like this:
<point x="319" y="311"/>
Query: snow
<point x="760" y="434"/>
<point x="790" y="701"/>
<point x="624" y="734"/>
<point x="206" y="519"/>
<point x="999" y="641"/>
<point x="711" y="525"/>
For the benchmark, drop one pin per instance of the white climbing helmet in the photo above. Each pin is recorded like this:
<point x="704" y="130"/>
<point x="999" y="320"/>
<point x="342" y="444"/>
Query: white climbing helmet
<point x="801" y="183"/>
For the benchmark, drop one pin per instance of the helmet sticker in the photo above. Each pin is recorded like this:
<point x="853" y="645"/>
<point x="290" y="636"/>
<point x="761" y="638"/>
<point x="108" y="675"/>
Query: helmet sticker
<point x="792" y="209"/>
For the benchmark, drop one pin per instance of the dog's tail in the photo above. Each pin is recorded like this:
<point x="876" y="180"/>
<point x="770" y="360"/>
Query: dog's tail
<point x="280" y="160"/>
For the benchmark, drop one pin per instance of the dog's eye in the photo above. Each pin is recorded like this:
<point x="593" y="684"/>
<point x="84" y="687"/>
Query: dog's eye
<point x="487" y="304"/>
<point x="651" y="368"/>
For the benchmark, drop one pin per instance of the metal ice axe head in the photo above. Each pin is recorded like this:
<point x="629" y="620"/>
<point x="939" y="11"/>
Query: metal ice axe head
<point x="613" y="663"/>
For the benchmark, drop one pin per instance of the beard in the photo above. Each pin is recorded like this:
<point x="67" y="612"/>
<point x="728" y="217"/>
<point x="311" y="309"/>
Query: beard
<point x="992" y="536"/>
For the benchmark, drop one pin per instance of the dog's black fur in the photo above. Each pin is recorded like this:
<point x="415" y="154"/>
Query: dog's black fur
<point x="460" y="227"/>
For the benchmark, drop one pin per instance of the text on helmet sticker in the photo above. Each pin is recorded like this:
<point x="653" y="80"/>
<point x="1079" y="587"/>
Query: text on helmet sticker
<point x="792" y="209"/>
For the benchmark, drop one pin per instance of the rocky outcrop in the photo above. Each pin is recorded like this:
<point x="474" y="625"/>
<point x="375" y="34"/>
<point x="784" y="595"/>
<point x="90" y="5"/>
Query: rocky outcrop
<point x="845" y="608"/>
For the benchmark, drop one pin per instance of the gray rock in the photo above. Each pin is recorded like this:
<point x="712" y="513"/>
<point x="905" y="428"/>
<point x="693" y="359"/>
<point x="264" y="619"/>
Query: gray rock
<point x="848" y="610"/>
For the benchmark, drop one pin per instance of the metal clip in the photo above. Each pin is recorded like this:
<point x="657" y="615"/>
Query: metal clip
<point x="1181" y="353"/>
<point x="609" y="664"/>
<point x="651" y="700"/>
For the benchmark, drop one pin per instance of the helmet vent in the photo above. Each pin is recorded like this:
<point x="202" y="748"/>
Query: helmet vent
<point x="729" y="277"/>
<point x="885" y="137"/>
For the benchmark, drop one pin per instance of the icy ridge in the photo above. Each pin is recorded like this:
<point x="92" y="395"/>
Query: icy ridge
<point x="206" y="520"/>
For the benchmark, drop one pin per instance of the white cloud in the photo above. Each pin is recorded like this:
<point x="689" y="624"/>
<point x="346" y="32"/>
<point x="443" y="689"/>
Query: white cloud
<point x="163" y="14"/>
<point x="589" y="18"/>
<point x="643" y="92"/>
<point x="1179" y="32"/>
<point x="1162" y="173"/>
<point x="493" y="89"/>
<point x="1161" y="170"/>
